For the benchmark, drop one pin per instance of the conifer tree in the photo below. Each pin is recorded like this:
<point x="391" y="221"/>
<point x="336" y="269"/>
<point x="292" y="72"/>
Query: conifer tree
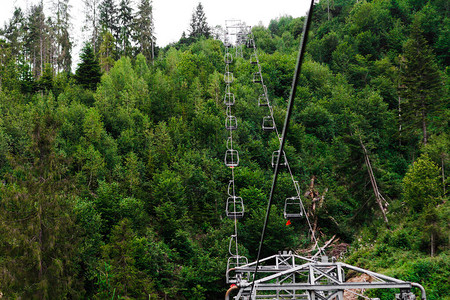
<point x="62" y="27"/>
<point x="88" y="72"/>
<point x="199" y="27"/>
<point x="91" y="21"/>
<point x="14" y="32"/>
<point x="46" y="80"/>
<point x="106" y="52"/>
<point x="144" y="28"/>
<point x="35" y="39"/>
<point x="108" y="17"/>
<point x="420" y="81"/>
<point x="125" y="21"/>
<point x="37" y="230"/>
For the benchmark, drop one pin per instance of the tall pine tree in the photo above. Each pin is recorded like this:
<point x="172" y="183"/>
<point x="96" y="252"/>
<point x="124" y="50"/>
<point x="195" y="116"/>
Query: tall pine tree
<point x="88" y="72"/>
<point x="420" y="81"/>
<point x="144" y="35"/>
<point x="199" y="27"/>
<point x="14" y="32"/>
<point x="35" y="39"/>
<point x="108" y="17"/>
<point x="91" y="16"/>
<point x="106" y="52"/>
<point x="125" y="21"/>
<point x="61" y="10"/>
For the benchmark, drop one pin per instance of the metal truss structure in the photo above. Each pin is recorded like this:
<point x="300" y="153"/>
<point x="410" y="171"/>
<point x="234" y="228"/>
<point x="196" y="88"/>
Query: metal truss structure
<point x="236" y="35"/>
<point x="290" y="276"/>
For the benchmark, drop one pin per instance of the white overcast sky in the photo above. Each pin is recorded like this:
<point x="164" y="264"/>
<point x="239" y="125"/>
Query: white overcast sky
<point x="172" y="17"/>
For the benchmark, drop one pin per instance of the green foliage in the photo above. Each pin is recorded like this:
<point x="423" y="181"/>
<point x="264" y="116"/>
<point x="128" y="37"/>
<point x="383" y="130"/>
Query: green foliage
<point x="421" y="83"/>
<point x="106" y="52"/>
<point x="88" y="72"/>
<point x="45" y="82"/>
<point x="125" y="171"/>
<point x="421" y="185"/>
<point x="40" y="238"/>
<point x="198" y="26"/>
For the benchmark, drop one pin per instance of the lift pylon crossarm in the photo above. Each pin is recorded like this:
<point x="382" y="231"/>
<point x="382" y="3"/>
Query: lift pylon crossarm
<point x="314" y="280"/>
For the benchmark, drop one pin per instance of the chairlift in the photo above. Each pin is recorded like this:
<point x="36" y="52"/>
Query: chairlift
<point x="257" y="78"/>
<point x="254" y="59"/>
<point x="293" y="208"/>
<point x="235" y="207"/>
<point x="228" y="58"/>
<point x="229" y="99"/>
<point x="231" y="158"/>
<point x="231" y="123"/>
<point x="263" y="99"/>
<point x="234" y="262"/>
<point x="228" y="77"/>
<point x="250" y="43"/>
<point x="268" y="123"/>
<point x="283" y="161"/>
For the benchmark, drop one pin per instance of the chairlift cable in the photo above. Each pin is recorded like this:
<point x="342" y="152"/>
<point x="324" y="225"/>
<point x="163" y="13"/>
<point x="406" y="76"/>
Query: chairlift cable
<point x="275" y="128"/>
<point x="232" y="161"/>
<point x="283" y="137"/>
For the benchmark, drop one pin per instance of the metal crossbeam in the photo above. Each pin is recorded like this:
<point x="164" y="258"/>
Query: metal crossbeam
<point x="289" y="276"/>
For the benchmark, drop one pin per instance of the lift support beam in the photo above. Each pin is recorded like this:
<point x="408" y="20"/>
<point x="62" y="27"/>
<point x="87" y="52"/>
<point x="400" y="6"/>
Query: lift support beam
<point x="290" y="276"/>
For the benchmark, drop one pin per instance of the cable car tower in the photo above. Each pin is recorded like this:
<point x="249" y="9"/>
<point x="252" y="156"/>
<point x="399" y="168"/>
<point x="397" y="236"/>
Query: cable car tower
<point x="284" y="275"/>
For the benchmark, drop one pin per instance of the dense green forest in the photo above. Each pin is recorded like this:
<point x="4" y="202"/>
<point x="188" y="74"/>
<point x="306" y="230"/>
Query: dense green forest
<point x="113" y="183"/>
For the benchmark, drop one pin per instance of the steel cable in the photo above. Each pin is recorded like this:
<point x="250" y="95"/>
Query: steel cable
<point x="283" y="137"/>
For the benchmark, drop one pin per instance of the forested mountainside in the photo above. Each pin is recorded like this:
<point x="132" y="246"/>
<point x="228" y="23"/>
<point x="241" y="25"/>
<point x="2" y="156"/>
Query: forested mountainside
<point x="113" y="183"/>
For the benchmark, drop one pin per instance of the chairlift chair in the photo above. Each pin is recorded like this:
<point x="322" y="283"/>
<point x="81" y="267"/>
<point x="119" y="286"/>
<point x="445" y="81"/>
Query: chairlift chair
<point x="262" y="100"/>
<point x="228" y="77"/>
<point x="235" y="207"/>
<point x="229" y="99"/>
<point x="231" y="158"/>
<point x="253" y="59"/>
<point x="293" y="208"/>
<point x="232" y="263"/>
<point x="268" y="123"/>
<point x="283" y="161"/>
<point x="231" y="123"/>
<point x="257" y="77"/>
<point x="228" y="58"/>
